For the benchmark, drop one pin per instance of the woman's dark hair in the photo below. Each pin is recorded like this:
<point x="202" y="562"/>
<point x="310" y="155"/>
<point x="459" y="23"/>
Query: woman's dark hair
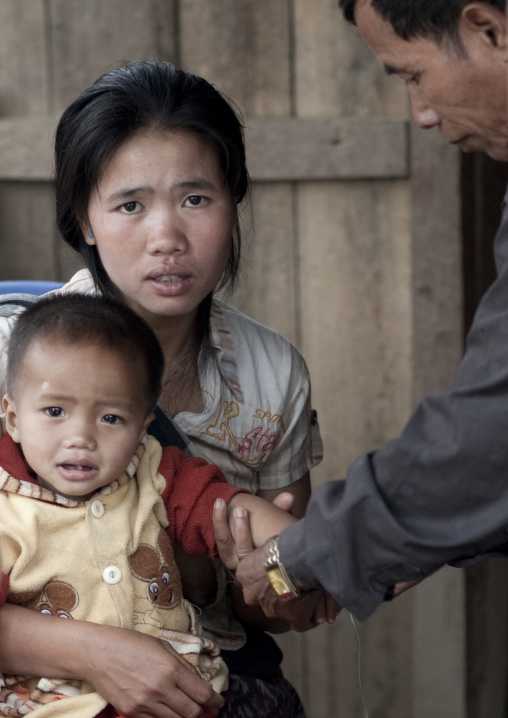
<point x="89" y="319"/>
<point x="143" y="95"/>
<point x="436" y="19"/>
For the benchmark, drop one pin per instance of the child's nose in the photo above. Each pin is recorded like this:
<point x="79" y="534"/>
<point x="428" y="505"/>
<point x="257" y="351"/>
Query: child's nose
<point x="81" y="436"/>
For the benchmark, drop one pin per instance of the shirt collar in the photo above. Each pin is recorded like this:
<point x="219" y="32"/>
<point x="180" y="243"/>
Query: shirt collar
<point x="222" y="342"/>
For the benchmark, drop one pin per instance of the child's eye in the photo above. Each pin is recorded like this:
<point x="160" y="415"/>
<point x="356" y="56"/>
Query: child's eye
<point x="54" y="411"/>
<point x="131" y="208"/>
<point x="112" y="419"/>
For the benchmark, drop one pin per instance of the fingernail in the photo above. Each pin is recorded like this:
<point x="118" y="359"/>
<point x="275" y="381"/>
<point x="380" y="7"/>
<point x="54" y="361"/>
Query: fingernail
<point x="217" y="504"/>
<point x="240" y="512"/>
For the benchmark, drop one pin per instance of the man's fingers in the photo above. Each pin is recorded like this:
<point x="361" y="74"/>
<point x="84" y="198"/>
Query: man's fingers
<point x="223" y="537"/>
<point x="243" y="535"/>
<point x="284" y="501"/>
<point x="333" y="608"/>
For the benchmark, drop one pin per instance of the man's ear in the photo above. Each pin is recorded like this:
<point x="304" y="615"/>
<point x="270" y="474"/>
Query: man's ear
<point x="482" y="21"/>
<point x="11" y="415"/>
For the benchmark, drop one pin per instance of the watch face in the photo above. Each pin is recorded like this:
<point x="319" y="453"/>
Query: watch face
<point x="279" y="584"/>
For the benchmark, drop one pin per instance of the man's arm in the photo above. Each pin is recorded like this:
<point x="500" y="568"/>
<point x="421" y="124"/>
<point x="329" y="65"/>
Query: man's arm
<point x="437" y="494"/>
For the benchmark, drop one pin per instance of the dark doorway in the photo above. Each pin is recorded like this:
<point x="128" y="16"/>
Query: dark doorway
<point x="483" y="186"/>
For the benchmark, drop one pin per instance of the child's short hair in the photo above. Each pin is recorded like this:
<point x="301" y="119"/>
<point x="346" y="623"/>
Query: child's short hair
<point x="93" y="319"/>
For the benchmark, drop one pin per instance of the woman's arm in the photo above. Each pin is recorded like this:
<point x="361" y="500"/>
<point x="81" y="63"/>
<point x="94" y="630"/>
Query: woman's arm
<point x="141" y="676"/>
<point x="300" y="490"/>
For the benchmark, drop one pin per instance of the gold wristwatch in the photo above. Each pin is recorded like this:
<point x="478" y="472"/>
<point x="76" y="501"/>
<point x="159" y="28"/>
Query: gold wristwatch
<point x="277" y="574"/>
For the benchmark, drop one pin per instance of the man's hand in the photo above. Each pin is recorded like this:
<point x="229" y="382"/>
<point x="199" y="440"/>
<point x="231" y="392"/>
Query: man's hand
<point x="238" y="554"/>
<point x="304" y="613"/>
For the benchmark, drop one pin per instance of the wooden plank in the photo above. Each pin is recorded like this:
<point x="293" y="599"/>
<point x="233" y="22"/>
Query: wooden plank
<point x="90" y="37"/>
<point x="245" y="48"/>
<point x="355" y="279"/>
<point x="26" y="209"/>
<point x="487" y="590"/>
<point x="266" y="290"/>
<point x="439" y="686"/>
<point x="27" y="234"/>
<point x="320" y="149"/>
<point x="26" y="149"/>
<point x="282" y="149"/>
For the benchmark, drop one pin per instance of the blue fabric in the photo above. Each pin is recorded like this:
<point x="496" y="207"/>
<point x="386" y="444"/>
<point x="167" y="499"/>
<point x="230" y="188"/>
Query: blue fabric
<point x="28" y="286"/>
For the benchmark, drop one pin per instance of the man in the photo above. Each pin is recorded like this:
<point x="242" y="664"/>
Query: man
<point x="439" y="493"/>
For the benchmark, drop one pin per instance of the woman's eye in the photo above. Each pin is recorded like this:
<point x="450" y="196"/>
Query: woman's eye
<point x="112" y="419"/>
<point x="194" y="200"/>
<point x="130" y="208"/>
<point x="54" y="411"/>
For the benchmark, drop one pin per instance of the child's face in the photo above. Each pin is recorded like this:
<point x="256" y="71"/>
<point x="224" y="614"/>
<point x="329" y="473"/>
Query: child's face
<point x="78" y="412"/>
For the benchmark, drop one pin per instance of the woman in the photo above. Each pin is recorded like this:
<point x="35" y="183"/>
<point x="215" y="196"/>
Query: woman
<point x="150" y="172"/>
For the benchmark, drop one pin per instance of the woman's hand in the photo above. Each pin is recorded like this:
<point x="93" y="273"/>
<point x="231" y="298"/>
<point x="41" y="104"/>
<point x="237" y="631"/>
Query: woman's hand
<point x="139" y="675"/>
<point x="147" y="678"/>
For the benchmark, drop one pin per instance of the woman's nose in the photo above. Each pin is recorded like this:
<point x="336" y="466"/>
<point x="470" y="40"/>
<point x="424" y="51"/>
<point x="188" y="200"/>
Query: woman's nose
<point x="166" y="234"/>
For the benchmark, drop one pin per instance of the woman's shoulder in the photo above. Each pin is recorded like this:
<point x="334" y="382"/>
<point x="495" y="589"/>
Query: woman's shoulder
<point x="255" y="353"/>
<point x="247" y="332"/>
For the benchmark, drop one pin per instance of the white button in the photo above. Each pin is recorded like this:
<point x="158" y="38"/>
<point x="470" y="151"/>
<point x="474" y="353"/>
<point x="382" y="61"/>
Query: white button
<point x="98" y="509"/>
<point x="112" y="574"/>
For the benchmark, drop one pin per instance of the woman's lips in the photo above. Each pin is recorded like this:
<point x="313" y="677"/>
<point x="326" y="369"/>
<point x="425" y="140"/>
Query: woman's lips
<point x="170" y="284"/>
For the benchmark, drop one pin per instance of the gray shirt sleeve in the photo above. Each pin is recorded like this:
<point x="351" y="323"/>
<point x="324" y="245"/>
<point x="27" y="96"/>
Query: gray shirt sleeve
<point x="437" y="494"/>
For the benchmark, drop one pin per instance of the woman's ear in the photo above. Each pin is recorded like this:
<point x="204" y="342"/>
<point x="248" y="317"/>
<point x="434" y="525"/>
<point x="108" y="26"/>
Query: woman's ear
<point x="10" y="411"/>
<point x="87" y="231"/>
<point x="89" y="236"/>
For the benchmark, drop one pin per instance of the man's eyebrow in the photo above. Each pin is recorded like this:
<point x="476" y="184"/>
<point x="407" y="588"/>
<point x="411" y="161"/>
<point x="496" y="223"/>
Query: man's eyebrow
<point x="390" y="70"/>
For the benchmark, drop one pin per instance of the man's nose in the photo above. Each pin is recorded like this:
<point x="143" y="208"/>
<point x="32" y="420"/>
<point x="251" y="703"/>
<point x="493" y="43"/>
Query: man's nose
<point x="424" y="116"/>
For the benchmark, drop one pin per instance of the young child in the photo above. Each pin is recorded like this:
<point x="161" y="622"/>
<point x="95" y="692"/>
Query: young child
<point x="89" y="505"/>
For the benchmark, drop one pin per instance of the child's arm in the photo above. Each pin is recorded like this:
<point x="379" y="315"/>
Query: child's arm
<point x="266" y="519"/>
<point x="237" y="536"/>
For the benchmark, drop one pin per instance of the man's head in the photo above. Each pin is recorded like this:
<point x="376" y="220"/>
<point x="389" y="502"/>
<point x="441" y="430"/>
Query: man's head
<point x="453" y="56"/>
<point x="434" y="19"/>
<point x="83" y="377"/>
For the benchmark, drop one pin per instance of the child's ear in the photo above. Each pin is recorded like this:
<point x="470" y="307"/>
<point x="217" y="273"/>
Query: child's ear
<point x="11" y="415"/>
<point x="147" y="423"/>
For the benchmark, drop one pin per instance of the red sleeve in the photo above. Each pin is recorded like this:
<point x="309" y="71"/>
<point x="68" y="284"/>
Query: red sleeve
<point x="4" y="583"/>
<point x="192" y="485"/>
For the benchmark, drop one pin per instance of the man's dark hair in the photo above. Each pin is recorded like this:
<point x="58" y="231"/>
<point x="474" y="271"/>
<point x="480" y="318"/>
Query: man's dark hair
<point x="436" y="19"/>
<point x="89" y="319"/>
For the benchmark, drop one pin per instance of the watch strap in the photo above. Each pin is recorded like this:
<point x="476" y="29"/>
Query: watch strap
<point x="278" y="576"/>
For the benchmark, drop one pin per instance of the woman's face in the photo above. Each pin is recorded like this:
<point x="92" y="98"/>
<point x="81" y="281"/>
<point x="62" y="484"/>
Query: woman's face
<point x="162" y="218"/>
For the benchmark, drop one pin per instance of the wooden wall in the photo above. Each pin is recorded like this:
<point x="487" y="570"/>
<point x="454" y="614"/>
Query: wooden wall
<point x="354" y="254"/>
